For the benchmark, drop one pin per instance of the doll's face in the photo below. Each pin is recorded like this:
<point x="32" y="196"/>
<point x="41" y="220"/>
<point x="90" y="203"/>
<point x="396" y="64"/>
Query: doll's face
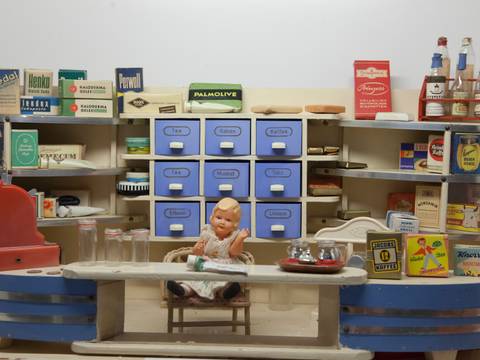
<point x="223" y="222"/>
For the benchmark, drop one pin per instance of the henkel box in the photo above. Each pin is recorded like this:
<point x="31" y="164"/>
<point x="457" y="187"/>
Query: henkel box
<point x="372" y="88"/>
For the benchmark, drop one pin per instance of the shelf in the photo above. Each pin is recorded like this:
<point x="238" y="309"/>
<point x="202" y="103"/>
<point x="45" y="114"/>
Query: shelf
<point x="323" y="157"/>
<point x="136" y="198"/>
<point x="44" y="119"/>
<point x="325" y="199"/>
<point x="137" y="157"/>
<point x="387" y="174"/>
<point x="66" y="172"/>
<point x="194" y="239"/>
<point x="419" y="280"/>
<point x="102" y="219"/>
<point x="464" y="178"/>
<point x="245" y="115"/>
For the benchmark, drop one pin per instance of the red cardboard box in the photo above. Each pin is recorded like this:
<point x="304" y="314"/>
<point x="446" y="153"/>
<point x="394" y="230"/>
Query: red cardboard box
<point x="372" y="88"/>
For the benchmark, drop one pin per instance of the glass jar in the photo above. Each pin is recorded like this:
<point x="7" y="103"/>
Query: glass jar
<point x="140" y="242"/>
<point x="87" y="241"/>
<point x="113" y="246"/>
<point x="331" y="252"/>
<point x="296" y="248"/>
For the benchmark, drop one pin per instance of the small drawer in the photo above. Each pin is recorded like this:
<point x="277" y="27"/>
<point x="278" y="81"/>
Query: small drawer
<point x="277" y="179"/>
<point x="279" y="138"/>
<point x="177" y="219"/>
<point x="177" y="137"/>
<point x="176" y="178"/>
<point x="227" y="179"/>
<point x="227" y="137"/>
<point x="278" y="220"/>
<point x="245" y="222"/>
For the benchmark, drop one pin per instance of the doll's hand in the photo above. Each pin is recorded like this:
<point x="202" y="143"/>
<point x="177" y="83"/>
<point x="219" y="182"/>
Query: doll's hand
<point x="199" y="247"/>
<point x="243" y="234"/>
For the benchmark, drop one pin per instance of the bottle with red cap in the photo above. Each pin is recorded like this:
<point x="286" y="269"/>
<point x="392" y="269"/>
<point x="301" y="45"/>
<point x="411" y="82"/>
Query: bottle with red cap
<point x="443" y="50"/>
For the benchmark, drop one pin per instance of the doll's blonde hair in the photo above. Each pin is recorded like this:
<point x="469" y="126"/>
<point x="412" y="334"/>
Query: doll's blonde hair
<point x="229" y="204"/>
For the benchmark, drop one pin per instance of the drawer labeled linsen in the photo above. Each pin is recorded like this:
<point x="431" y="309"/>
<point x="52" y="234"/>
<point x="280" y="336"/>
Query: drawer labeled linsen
<point x="176" y="178"/>
<point x="245" y="222"/>
<point x="177" y="219"/>
<point x="227" y="179"/>
<point x="278" y="220"/>
<point x="227" y="137"/>
<point x="277" y="179"/>
<point x="177" y="137"/>
<point x="279" y="138"/>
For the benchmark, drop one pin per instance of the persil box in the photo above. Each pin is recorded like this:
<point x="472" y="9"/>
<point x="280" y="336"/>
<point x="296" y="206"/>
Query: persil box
<point x="9" y="92"/>
<point x="85" y="89"/>
<point x="39" y="105"/>
<point x="87" y="108"/>
<point x="372" y="88"/>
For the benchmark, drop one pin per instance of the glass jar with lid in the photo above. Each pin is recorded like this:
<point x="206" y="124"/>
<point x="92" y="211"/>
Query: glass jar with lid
<point x="296" y="248"/>
<point x="329" y="252"/>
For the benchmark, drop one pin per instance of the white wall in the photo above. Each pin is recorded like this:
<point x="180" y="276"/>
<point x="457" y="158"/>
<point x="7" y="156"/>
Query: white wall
<point x="269" y="43"/>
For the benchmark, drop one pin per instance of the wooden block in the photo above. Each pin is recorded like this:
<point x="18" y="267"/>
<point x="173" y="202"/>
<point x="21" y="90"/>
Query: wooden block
<point x="324" y="109"/>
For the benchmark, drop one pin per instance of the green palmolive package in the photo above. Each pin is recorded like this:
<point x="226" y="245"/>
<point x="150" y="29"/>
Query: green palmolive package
<point x="213" y="97"/>
<point x="384" y="254"/>
<point x="24" y="146"/>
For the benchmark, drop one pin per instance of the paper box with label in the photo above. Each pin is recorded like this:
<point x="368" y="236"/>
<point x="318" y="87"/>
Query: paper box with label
<point x="39" y="105"/>
<point x="70" y="74"/>
<point x="24" y="146"/>
<point x="127" y="80"/>
<point x="466" y="260"/>
<point x="384" y="255"/>
<point x="435" y="153"/>
<point x="62" y="151"/>
<point x="427" y="255"/>
<point x="38" y="82"/>
<point x="372" y="88"/>
<point x="402" y="222"/>
<point x="466" y="153"/>
<point x="85" y="89"/>
<point x="152" y="103"/>
<point x="86" y="108"/>
<point x="212" y="97"/>
<point x="464" y="217"/>
<point x="9" y="92"/>
<point x="427" y="205"/>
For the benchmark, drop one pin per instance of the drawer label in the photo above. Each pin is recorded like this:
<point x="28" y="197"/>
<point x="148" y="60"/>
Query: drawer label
<point x="279" y="131"/>
<point x="278" y="213"/>
<point x="177" y="213"/>
<point x="176" y="172"/>
<point x="176" y="131"/>
<point x="227" y="131"/>
<point x="226" y="174"/>
<point x="278" y="173"/>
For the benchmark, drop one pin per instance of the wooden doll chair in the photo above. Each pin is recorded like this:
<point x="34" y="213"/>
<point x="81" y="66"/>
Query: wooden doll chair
<point x="241" y="301"/>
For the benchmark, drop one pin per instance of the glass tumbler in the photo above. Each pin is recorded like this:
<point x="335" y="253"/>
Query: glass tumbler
<point x="140" y="246"/>
<point x="113" y="246"/>
<point x="87" y="241"/>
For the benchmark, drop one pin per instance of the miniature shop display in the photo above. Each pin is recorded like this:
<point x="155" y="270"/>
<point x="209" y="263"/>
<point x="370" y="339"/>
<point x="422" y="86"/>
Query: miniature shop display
<point x="220" y="241"/>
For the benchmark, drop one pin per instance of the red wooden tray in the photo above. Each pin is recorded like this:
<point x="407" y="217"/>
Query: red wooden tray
<point x="292" y="265"/>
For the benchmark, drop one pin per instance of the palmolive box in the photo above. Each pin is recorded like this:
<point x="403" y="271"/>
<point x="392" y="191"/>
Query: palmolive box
<point x="372" y="88"/>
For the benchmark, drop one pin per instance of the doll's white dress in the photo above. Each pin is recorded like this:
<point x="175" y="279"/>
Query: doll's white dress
<point x="216" y="250"/>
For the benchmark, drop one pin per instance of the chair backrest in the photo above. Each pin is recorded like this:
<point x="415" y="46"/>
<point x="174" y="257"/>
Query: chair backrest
<point x="181" y="254"/>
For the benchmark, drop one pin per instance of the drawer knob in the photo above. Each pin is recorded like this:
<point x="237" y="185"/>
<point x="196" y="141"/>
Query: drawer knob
<point x="225" y="187"/>
<point x="277" y="228"/>
<point x="277" y="188"/>
<point x="227" y="145"/>
<point x="175" y="186"/>
<point x="176" y="145"/>
<point x="176" y="227"/>
<point x="279" y="145"/>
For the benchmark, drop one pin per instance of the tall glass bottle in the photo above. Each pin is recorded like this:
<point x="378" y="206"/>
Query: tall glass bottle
<point x="140" y="242"/>
<point x="435" y="87"/>
<point x="476" y="109"/>
<point x="87" y="241"/>
<point x="113" y="246"/>
<point x="443" y="51"/>
<point x="460" y="89"/>
<point x="467" y="49"/>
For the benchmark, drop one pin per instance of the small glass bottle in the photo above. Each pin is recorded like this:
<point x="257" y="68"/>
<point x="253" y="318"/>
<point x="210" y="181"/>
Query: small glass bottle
<point x="467" y="49"/>
<point x="113" y="246"/>
<point x="140" y="246"/>
<point x="435" y="87"/>
<point x="460" y="89"/>
<point x="443" y="51"/>
<point x="87" y="241"/>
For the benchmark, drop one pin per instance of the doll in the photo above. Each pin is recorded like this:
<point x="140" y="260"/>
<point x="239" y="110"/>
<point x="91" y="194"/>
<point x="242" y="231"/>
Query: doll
<point x="220" y="241"/>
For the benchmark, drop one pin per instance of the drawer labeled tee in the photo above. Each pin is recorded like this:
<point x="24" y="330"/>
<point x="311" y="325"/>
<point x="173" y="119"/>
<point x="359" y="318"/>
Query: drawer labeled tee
<point x="227" y="137"/>
<point x="227" y="179"/>
<point x="278" y="220"/>
<point x="177" y="137"/>
<point x="277" y="179"/>
<point x="176" y="178"/>
<point x="245" y="222"/>
<point x="279" y="138"/>
<point x="177" y="219"/>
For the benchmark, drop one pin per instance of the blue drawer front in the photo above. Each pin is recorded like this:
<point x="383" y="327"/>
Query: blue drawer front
<point x="245" y="222"/>
<point x="227" y="179"/>
<point x="279" y="138"/>
<point x="271" y="217"/>
<point x="170" y="216"/>
<point x="33" y="301"/>
<point x="227" y="137"/>
<point x="277" y="180"/>
<point x="177" y="137"/>
<point x="176" y="178"/>
<point x="397" y="318"/>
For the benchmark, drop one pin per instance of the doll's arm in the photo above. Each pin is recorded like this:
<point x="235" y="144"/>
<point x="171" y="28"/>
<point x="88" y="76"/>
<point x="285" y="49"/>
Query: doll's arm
<point x="236" y="247"/>
<point x="199" y="247"/>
